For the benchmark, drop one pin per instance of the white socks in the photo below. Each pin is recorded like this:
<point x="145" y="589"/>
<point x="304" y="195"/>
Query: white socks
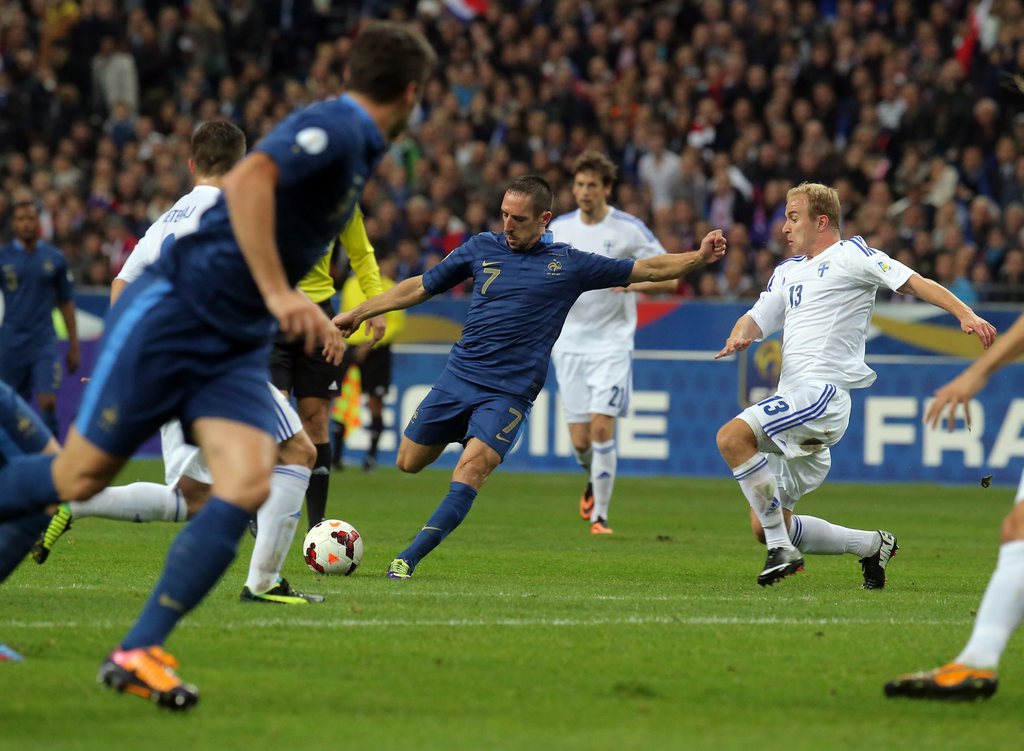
<point x="138" y="502"/>
<point x="583" y="458"/>
<point x="276" y="522"/>
<point x="814" y="535"/>
<point x="602" y="476"/>
<point x="1001" y="611"/>
<point x="758" y="485"/>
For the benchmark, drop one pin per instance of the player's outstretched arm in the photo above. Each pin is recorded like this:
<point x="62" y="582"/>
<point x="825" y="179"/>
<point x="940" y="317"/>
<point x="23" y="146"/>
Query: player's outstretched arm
<point x="403" y="295"/>
<point x="961" y="389"/>
<point x="742" y="336"/>
<point x="934" y="293"/>
<point x="677" y="265"/>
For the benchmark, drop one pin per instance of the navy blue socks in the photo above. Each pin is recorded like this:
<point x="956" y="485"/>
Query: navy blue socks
<point x="446" y="517"/>
<point x="197" y="559"/>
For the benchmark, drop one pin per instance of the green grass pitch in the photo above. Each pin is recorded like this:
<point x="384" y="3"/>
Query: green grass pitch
<point x="522" y="631"/>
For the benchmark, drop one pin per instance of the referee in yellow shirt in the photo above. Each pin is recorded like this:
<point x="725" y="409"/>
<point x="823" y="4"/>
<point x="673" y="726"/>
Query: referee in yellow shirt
<point x="373" y="359"/>
<point x="310" y="378"/>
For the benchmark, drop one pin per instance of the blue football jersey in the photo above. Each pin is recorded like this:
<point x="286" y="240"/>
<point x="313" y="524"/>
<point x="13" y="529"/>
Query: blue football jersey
<point x="519" y="303"/>
<point x="33" y="283"/>
<point x="324" y="155"/>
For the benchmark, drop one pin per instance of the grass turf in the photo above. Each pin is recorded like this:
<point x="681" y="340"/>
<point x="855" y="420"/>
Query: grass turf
<point x="523" y="631"/>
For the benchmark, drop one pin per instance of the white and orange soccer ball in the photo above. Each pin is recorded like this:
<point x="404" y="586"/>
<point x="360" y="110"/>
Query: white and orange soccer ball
<point x="333" y="547"/>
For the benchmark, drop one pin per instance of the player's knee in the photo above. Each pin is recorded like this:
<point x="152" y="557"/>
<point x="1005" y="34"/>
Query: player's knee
<point x="195" y="493"/>
<point x="298" y="449"/>
<point x="82" y="486"/>
<point x="251" y="494"/>
<point x="406" y="463"/>
<point x="726" y="439"/>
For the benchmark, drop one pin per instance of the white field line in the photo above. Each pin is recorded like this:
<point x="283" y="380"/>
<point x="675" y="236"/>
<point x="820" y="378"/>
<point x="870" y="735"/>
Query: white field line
<point x="340" y="623"/>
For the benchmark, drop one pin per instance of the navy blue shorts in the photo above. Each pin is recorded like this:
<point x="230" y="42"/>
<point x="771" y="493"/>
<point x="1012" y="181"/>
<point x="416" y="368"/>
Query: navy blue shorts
<point x="456" y="410"/>
<point x="32" y="370"/>
<point x="160" y="360"/>
<point x="21" y="430"/>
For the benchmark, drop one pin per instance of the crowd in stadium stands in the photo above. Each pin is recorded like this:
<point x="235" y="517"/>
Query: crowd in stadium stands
<point x="710" y="109"/>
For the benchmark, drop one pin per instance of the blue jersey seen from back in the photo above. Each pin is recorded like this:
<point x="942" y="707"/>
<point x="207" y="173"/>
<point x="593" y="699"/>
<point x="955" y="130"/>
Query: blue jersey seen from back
<point x="324" y="155"/>
<point x="519" y="303"/>
<point x="33" y="283"/>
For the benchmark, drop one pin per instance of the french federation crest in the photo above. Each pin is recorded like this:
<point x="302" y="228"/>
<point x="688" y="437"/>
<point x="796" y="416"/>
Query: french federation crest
<point x="822" y="268"/>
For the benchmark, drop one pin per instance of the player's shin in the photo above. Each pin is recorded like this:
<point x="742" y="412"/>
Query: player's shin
<point x="442" y="522"/>
<point x="137" y="502"/>
<point x="602" y="476"/>
<point x="17" y="537"/>
<point x="197" y="559"/>
<point x="759" y="487"/>
<point x="1001" y="611"/>
<point x="821" y="537"/>
<point x="277" y="520"/>
<point x="316" y="494"/>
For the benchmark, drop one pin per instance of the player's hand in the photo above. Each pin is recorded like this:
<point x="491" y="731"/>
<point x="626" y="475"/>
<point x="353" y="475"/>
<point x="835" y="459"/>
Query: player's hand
<point x="346" y="323"/>
<point x="713" y="246"/>
<point x="334" y="345"/>
<point x="733" y="345"/>
<point x="957" y="392"/>
<point x="73" y="358"/>
<point x="376" y="327"/>
<point x="984" y="330"/>
<point x="299" y="317"/>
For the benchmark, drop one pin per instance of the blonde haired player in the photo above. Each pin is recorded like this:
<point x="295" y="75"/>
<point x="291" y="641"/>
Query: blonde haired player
<point x="593" y="356"/>
<point x="779" y="449"/>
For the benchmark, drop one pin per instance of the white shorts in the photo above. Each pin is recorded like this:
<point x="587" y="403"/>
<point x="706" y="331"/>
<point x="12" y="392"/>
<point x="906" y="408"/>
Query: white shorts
<point x="182" y="459"/>
<point x="795" y="429"/>
<point x="594" y="384"/>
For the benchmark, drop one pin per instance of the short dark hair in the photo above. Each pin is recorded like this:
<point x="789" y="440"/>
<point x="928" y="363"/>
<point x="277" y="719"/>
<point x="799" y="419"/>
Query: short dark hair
<point x="598" y="163"/>
<point x="536" y="188"/>
<point x="22" y="203"/>
<point x="386" y="57"/>
<point x="216" y="146"/>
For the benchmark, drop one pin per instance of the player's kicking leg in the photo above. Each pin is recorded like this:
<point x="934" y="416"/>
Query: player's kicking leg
<point x="797" y="476"/>
<point x="738" y="447"/>
<point x="813" y="536"/>
<point x="972" y="675"/>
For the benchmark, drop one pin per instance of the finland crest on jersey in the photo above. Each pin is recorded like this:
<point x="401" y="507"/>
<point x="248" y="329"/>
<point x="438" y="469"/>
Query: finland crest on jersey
<point x="603" y="320"/>
<point x="823" y="306"/>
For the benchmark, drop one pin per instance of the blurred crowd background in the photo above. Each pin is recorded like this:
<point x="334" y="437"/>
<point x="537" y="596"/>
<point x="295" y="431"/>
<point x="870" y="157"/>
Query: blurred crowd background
<point x="710" y="109"/>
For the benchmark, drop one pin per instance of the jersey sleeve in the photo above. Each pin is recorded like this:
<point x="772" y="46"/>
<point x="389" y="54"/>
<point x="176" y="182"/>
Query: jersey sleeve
<point x="769" y="312"/>
<point x="598" y="272"/>
<point x="145" y="253"/>
<point x="360" y="254"/>
<point x="645" y="244"/>
<point x="878" y="268"/>
<point x="313" y="141"/>
<point x="456" y="267"/>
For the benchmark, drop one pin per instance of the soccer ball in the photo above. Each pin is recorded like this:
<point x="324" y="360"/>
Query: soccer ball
<point x="333" y="547"/>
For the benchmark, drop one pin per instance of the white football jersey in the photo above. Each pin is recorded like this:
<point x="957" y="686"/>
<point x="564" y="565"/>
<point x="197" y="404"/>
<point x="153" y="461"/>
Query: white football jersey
<point x="823" y="306"/>
<point x="603" y="320"/>
<point x="179" y="220"/>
